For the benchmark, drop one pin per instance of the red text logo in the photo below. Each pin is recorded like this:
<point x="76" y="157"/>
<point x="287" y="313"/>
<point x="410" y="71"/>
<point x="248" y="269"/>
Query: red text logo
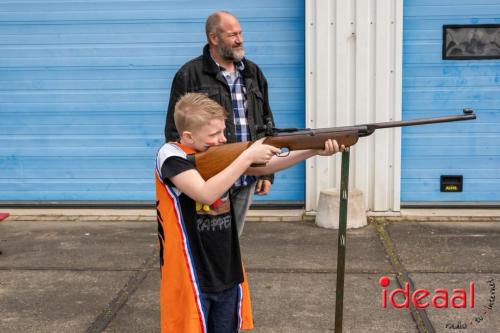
<point x="423" y="298"/>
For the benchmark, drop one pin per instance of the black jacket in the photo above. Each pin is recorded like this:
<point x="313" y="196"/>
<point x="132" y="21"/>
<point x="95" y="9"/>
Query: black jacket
<point x="203" y="75"/>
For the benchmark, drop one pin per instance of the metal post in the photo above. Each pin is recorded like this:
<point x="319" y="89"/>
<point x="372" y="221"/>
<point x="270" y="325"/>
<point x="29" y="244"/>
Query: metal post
<point x="344" y="193"/>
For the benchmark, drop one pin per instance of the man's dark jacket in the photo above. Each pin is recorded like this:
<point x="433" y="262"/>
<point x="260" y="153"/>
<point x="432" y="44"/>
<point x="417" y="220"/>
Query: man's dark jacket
<point x="203" y="75"/>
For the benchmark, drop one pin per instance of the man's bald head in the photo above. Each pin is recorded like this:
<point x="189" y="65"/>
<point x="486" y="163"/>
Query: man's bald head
<point x="225" y="37"/>
<point x="216" y="20"/>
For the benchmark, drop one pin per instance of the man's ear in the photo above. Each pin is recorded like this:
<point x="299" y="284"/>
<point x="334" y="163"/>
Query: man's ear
<point x="214" y="40"/>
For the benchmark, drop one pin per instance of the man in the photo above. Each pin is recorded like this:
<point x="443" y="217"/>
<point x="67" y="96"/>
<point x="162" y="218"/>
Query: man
<point x="226" y="76"/>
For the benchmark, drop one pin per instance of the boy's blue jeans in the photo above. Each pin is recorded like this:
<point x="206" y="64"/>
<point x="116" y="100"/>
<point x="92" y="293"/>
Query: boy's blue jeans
<point x="221" y="309"/>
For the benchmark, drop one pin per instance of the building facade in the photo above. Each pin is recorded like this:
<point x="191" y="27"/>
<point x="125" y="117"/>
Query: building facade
<point x="374" y="61"/>
<point x="84" y="88"/>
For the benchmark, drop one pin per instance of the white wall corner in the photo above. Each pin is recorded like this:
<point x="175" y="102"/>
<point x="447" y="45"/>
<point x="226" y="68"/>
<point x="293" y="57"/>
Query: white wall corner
<point x="353" y="75"/>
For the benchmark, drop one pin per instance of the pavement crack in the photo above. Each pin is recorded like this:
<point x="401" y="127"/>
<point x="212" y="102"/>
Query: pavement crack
<point x="109" y="312"/>
<point x="420" y="316"/>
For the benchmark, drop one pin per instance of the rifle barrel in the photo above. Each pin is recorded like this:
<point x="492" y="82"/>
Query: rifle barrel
<point x="422" y="121"/>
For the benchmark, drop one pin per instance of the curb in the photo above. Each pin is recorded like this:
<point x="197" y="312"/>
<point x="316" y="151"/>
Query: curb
<point x="437" y="215"/>
<point x="447" y="218"/>
<point x="254" y="215"/>
<point x="138" y="215"/>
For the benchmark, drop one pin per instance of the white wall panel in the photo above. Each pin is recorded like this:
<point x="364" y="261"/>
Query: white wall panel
<point x="353" y="66"/>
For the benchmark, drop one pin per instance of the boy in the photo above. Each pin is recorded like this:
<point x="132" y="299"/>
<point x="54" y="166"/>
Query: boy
<point x="203" y="287"/>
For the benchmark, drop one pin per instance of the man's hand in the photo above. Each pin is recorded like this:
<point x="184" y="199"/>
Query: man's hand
<point x="263" y="186"/>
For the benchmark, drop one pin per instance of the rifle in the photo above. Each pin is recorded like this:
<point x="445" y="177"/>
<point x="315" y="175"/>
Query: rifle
<point x="217" y="158"/>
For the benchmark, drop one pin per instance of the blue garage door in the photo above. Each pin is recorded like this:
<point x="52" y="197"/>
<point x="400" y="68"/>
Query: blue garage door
<point x="84" y="88"/>
<point x="434" y="87"/>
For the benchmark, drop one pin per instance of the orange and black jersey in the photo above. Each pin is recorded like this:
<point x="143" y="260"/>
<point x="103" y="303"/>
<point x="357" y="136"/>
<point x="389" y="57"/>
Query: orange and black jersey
<point x="210" y="229"/>
<point x="199" y="249"/>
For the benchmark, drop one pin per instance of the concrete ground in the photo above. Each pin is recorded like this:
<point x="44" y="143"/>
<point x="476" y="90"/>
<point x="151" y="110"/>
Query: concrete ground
<point x="100" y="276"/>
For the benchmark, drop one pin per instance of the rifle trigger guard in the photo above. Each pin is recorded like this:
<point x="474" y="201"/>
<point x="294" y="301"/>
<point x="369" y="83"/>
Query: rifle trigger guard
<point x="285" y="151"/>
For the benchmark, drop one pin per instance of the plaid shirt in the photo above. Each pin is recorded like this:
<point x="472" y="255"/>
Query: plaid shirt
<point x="238" y="96"/>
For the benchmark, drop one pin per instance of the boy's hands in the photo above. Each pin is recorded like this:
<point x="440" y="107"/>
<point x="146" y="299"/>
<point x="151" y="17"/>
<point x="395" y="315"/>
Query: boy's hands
<point x="331" y="147"/>
<point x="260" y="153"/>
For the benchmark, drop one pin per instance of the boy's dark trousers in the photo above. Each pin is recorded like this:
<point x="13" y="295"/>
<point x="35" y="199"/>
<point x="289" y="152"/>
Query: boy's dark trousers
<point x="221" y="310"/>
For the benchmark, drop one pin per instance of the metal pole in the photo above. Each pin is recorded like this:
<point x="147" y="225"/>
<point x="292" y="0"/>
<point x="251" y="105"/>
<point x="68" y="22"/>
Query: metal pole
<point x="344" y="194"/>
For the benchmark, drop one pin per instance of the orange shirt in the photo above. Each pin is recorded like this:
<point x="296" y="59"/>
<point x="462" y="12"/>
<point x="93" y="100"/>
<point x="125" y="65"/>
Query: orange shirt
<point x="181" y="305"/>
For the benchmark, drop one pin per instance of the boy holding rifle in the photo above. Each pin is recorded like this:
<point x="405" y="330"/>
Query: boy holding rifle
<point x="203" y="285"/>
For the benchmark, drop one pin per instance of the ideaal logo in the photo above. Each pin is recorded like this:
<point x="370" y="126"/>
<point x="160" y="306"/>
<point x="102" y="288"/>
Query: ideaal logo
<point x="440" y="299"/>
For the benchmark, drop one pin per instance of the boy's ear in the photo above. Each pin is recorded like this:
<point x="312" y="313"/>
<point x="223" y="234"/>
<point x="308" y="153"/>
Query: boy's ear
<point x="187" y="136"/>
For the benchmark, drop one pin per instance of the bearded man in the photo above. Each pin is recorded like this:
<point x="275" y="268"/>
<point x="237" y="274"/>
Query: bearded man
<point x="224" y="74"/>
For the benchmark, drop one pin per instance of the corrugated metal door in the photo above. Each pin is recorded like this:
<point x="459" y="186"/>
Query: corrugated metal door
<point x="434" y="87"/>
<point x="84" y="88"/>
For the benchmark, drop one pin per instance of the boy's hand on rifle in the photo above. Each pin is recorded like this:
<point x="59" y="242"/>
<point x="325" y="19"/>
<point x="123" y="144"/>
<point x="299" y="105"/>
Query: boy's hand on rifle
<point x="260" y="153"/>
<point x="331" y="147"/>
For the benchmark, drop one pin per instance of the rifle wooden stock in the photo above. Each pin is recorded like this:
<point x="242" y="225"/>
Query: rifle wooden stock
<point x="217" y="158"/>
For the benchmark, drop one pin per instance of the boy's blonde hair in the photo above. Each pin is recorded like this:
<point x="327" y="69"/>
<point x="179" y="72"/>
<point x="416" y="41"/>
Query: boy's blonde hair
<point x="194" y="110"/>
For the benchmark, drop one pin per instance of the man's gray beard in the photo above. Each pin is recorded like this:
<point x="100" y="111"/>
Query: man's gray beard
<point x="230" y="54"/>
